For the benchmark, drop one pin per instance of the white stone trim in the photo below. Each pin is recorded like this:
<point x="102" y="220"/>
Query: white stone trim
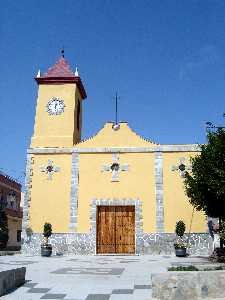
<point x="159" y="192"/>
<point x="119" y="202"/>
<point x="161" y="148"/>
<point x="28" y="181"/>
<point x="74" y="192"/>
<point x="115" y="173"/>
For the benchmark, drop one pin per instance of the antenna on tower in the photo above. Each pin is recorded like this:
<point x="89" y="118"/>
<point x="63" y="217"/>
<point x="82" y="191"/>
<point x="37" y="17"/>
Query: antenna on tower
<point x="116" y="125"/>
<point x="116" y="116"/>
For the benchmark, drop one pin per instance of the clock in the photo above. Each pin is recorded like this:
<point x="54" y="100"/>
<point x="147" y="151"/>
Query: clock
<point x="55" y="106"/>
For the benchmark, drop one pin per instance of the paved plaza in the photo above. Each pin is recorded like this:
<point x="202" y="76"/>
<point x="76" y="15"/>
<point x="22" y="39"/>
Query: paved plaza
<point x="87" y="277"/>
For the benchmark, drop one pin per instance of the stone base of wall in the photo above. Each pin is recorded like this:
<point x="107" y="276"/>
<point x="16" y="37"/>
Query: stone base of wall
<point x="188" y="285"/>
<point x="11" y="279"/>
<point x="162" y="243"/>
<point x="62" y="243"/>
<point x="85" y="243"/>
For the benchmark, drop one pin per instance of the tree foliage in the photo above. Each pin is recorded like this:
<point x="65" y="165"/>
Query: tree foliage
<point x="47" y="232"/>
<point x="180" y="228"/>
<point x="205" y="186"/>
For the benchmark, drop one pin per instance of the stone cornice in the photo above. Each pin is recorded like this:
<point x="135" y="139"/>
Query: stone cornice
<point x="161" y="148"/>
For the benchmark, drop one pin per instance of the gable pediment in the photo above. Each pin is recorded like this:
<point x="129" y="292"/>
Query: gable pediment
<point x="123" y="137"/>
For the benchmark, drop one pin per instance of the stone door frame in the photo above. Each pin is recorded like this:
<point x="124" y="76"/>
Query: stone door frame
<point x="117" y="202"/>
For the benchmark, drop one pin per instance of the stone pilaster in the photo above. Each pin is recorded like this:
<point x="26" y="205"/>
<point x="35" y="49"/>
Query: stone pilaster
<point x="27" y="198"/>
<point x="159" y="192"/>
<point x="74" y="192"/>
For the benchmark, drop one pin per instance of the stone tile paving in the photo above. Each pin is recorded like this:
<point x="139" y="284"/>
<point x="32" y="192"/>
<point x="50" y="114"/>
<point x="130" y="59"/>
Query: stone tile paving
<point x="88" y="277"/>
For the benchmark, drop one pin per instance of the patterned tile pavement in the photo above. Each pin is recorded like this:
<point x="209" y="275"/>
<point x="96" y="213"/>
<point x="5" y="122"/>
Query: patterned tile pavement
<point x="86" y="277"/>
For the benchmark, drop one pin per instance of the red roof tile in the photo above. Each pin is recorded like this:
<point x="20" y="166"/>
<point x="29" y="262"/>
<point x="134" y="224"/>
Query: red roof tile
<point x="61" y="73"/>
<point x="60" y="69"/>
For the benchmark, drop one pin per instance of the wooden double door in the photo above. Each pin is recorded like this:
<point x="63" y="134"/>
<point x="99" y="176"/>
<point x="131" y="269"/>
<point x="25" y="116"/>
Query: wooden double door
<point x="115" y="229"/>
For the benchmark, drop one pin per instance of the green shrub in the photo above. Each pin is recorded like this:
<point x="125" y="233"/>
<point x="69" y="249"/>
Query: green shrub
<point x="180" y="245"/>
<point x="180" y="228"/>
<point x="193" y="268"/>
<point x="183" y="268"/>
<point x="47" y="232"/>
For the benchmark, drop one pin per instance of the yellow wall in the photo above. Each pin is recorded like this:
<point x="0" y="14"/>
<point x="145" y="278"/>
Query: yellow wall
<point x="56" y="130"/>
<point x="138" y="182"/>
<point x="50" y="199"/>
<point x="124" y="137"/>
<point x="176" y="204"/>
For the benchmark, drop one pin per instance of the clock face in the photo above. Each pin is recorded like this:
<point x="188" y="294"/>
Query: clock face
<point x="55" y="106"/>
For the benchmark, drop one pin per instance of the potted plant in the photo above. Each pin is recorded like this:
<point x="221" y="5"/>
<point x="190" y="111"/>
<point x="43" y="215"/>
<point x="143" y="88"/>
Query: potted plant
<point x="180" y="246"/>
<point x="46" y="248"/>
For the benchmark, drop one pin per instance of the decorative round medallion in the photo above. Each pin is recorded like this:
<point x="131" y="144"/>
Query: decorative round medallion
<point x="49" y="168"/>
<point x="115" y="167"/>
<point x="181" y="167"/>
<point x="116" y="126"/>
<point x="55" y="106"/>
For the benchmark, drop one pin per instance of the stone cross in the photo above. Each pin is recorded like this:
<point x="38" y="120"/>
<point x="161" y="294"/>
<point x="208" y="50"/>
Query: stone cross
<point x="181" y="167"/>
<point x="50" y="169"/>
<point x="115" y="167"/>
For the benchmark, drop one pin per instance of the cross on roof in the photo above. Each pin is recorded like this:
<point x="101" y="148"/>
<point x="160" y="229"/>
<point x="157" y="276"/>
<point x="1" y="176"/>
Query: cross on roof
<point x="115" y="168"/>
<point x="50" y="169"/>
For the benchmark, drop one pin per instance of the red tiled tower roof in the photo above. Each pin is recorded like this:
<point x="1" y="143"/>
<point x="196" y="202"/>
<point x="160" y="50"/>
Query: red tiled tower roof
<point x="60" y="69"/>
<point x="60" y="72"/>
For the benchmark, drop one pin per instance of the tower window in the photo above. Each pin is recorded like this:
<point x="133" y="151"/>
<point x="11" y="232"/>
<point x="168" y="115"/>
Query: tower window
<point x="78" y="114"/>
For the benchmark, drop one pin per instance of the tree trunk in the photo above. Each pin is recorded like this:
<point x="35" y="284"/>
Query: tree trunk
<point x="45" y="240"/>
<point x="220" y="229"/>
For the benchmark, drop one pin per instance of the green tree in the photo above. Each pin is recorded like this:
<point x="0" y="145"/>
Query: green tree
<point x="180" y="228"/>
<point x="47" y="231"/>
<point x="205" y="186"/>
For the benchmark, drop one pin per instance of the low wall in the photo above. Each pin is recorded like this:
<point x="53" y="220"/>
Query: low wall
<point x="65" y="243"/>
<point x="163" y="243"/>
<point x="146" y="243"/>
<point x="10" y="279"/>
<point x="189" y="285"/>
<point x="8" y="252"/>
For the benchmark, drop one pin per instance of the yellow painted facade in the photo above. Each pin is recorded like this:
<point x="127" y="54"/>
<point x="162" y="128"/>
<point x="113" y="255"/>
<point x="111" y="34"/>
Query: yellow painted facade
<point x="60" y="130"/>
<point x="57" y="137"/>
<point x="50" y="198"/>
<point x="138" y="182"/>
<point x="176" y="204"/>
<point x="124" y="137"/>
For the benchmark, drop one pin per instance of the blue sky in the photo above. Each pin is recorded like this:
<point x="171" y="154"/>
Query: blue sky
<point x="165" y="59"/>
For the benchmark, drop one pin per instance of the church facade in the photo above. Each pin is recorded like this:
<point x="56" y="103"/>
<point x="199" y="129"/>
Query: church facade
<point x="115" y="192"/>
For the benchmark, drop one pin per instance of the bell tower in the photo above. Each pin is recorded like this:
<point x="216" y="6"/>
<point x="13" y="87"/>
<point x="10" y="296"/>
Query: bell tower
<point x="58" y="119"/>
